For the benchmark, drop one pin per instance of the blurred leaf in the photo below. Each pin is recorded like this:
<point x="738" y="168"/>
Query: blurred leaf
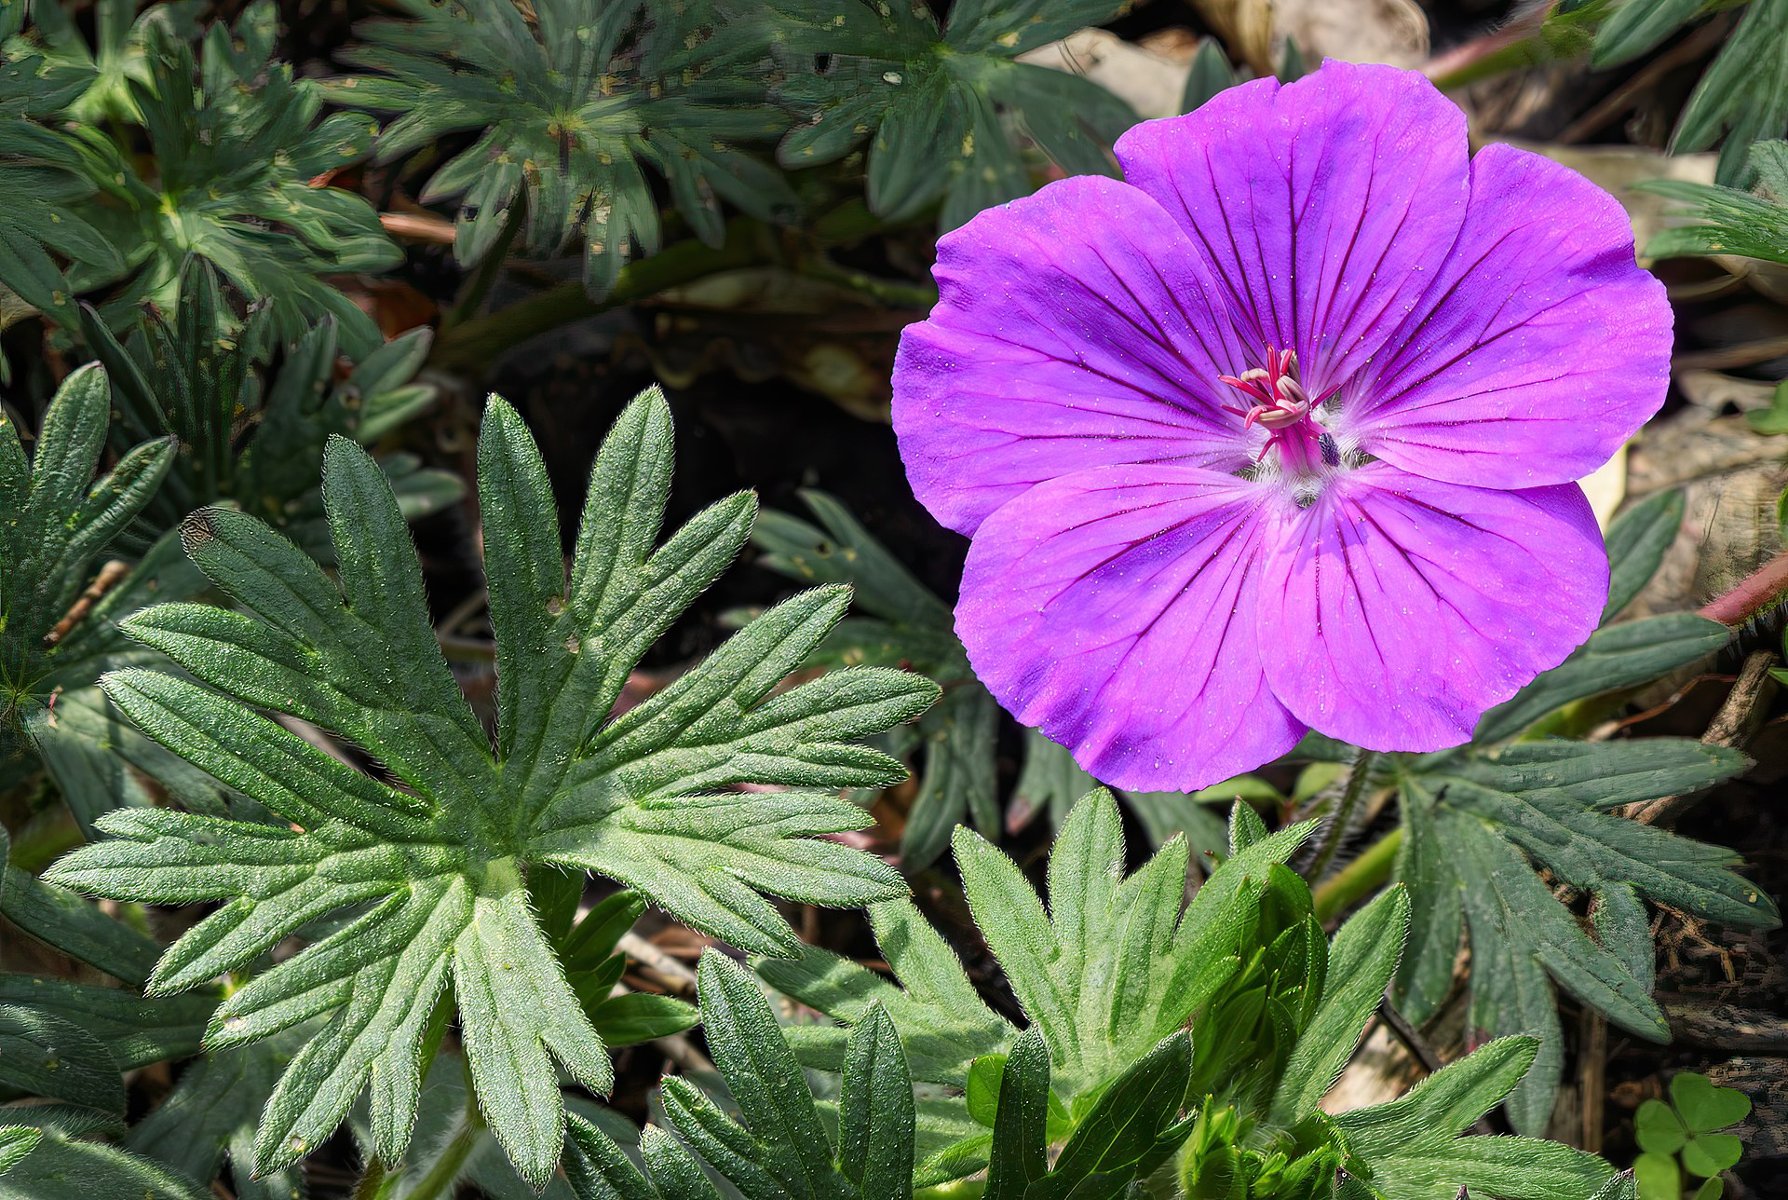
<point x="571" y="99"/>
<point x="1743" y="94"/>
<point x="929" y="100"/>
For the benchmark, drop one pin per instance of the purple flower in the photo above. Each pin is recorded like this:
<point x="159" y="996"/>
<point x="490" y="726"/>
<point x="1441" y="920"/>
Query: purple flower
<point x="1280" y="433"/>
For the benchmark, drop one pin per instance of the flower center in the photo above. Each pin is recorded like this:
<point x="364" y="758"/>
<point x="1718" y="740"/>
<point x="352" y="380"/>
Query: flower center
<point x="1278" y="403"/>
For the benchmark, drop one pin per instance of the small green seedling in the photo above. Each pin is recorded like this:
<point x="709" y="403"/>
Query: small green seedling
<point x="1683" y="1135"/>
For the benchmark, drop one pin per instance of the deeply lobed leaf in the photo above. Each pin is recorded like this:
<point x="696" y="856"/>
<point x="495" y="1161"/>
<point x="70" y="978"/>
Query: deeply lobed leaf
<point x="425" y="871"/>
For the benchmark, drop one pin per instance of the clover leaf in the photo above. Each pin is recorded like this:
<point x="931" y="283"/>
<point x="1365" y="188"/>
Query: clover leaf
<point x="434" y="856"/>
<point x="1687" y="1128"/>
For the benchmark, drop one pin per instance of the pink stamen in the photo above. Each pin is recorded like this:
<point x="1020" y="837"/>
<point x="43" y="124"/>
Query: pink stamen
<point x="1282" y="407"/>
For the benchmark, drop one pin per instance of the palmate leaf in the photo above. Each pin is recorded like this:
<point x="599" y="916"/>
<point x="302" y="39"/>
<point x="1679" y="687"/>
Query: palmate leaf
<point x="938" y="105"/>
<point x="237" y="175"/>
<point x="41" y="226"/>
<point x="1475" y="828"/>
<point x="59" y="521"/>
<point x="573" y="100"/>
<point x="435" y="864"/>
<point x="1114" y="966"/>
<point x="118" y="55"/>
<point x="252" y="417"/>
<point x="778" y="1148"/>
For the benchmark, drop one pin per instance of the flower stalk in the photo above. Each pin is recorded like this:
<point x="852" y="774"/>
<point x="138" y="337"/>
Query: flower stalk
<point x="1760" y="590"/>
<point x="1343" y="815"/>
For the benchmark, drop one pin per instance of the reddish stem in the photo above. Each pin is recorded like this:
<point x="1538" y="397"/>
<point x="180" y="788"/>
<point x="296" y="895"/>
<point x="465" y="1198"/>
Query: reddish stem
<point x="1756" y="592"/>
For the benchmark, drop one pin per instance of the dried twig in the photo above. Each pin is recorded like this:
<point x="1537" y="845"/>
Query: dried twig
<point x="1732" y="726"/>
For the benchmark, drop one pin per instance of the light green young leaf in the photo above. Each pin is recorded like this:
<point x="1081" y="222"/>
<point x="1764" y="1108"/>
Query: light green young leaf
<point x="1362" y="959"/>
<point x="16" y="1141"/>
<point x="435" y="870"/>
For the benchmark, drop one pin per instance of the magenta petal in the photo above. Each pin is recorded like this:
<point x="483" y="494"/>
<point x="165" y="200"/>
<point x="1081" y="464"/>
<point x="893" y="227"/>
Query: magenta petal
<point x="1074" y="328"/>
<point x="1395" y="610"/>
<point x="1325" y="205"/>
<point x="1540" y="347"/>
<point x="1114" y="610"/>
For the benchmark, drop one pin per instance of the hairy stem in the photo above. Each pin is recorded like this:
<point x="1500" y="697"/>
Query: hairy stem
<point x="1359" y="878"/>
<point x="1342" y="817"/>
<point x="438" y="1182"/>
<point x="1759" y="590"/>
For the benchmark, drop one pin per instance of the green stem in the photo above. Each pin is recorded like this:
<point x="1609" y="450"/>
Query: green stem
<point x="892" y="293"/>
<point x="480" y="340"/>
<point x="437" y="1183"/>
<point x="747" y="243"/>
<point x="1343" y="814"/>
<point x="1359" y="878"/>
<point x="485" y="277"/>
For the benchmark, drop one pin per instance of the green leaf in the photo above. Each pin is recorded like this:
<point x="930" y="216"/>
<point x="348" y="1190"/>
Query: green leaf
<point x="1658" y="1177"/>
<point x="1020" y="1137"/>
<point x="1708" y="1154"/>
<point x="1658" y="1129"/>
<point x="1637" y="541"/>
<point x="1414" y="1150"/>
<point x="1425" y="868"/>
<point x="60" y="521"/>
<point x="909" y="625"/>
<point x="570" y="103"/>
<point x="1132" y="1129"/>
<point x="434" y="873"/>
<point x="1726" y="220"/>
<point x="43" y="1054"/>
<point x="237" y="151"/>
<point x="1618" y="656"/>
<point x="1112" y="967"/>
<point x="1210" y="73"/>
<point x="1361" y="962"/>
<point x="16" y="1141"/>
<point x="1638" y="26"/>
<point x="61" y="1167"/>
<point x="876" y="1114"/>
<point x="252" y="431"/>
<point x="1705" y="1107"/>
<point x="65" y="921"/>
<point x="1744" y="94"/>
<point x="136" y="1030"/>
<point x="212" y="1111"/>
<point x="778" y="1147"/>
<point x="926" y="99"/>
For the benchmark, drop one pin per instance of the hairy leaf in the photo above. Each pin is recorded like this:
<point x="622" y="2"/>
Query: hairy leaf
<point x="433" y="867"/>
